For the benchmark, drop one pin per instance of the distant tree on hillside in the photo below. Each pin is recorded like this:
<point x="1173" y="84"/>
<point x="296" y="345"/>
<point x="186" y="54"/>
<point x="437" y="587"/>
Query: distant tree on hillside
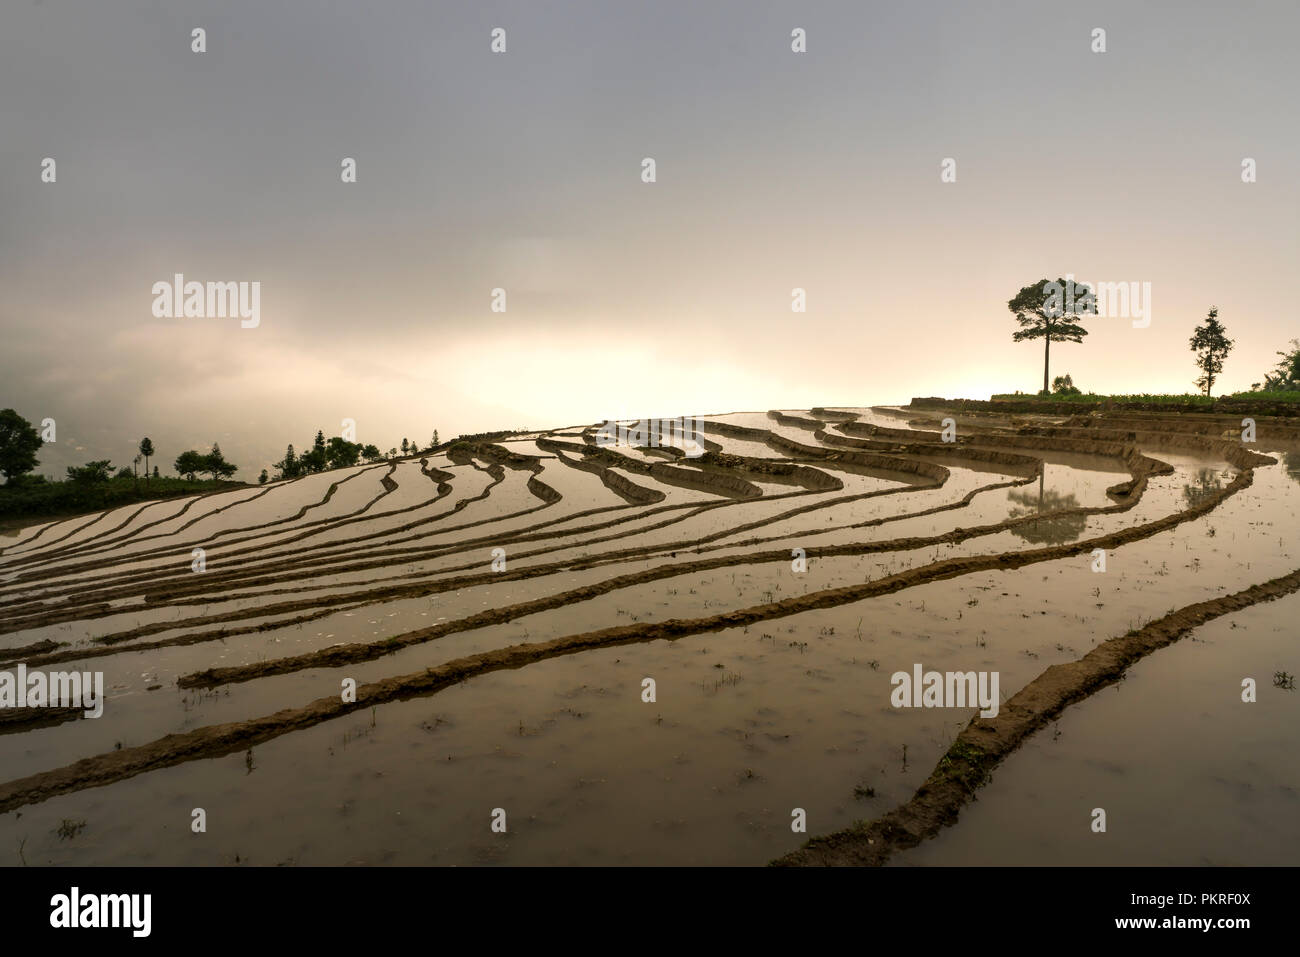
<point x="340" y="453"/>
<point x="146" y="449"/>
<point x="1211" y="345"/>
<point x="215" y="464"/>
<point x="189" y="464"/>
<point x="315" y="459"/>
<point x="1064" y="385"/>
<point x="1285" y="376"/>
<point x="290" y="467"/>
<point x="1047" y="310"/>
<point x="99" y="470"/>
<point x="19" y="442"/>
<point x="1288" y="368"/>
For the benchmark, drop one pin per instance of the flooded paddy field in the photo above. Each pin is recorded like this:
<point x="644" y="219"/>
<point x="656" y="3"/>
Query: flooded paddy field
<point x="634" y="655"/>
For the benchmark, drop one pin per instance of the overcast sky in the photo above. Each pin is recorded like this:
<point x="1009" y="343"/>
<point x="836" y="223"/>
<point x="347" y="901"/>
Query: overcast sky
<point x="522" y="170"/>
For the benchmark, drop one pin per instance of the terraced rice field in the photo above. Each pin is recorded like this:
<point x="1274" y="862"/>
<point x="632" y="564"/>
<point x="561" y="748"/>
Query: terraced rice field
<point x="499" y="607"/>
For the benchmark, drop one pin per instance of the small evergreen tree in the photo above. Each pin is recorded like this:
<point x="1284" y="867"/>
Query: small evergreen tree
<point x="146" y="449"/>
<point x="316" y="459"/>
<point x="1211" y="346"/>
<point x="290" y="466"/>
<point x="215" y="464"/>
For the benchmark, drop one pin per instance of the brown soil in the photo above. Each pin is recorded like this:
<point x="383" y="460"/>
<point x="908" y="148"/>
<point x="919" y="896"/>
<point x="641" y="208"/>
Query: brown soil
<point x="17" y="720"/>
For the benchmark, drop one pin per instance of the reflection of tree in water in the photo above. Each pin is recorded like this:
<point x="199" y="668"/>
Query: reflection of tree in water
<point x="1206" y="484"/>
<point x="1051" y="529"/>
<point x="1291" y="462"/>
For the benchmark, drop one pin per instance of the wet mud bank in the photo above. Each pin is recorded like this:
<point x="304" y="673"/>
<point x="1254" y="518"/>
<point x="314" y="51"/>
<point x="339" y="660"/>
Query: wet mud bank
<point x="1223" y="406"/>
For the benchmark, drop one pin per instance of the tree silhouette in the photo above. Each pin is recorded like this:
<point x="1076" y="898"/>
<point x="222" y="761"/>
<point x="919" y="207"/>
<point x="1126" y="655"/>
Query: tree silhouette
<point x="315" y="459"/>
<point x="98" y="471"/>
<point x="19" y="442"/>
<point x="340" y="453"/>
<point x="1285" y="377"/>
<point x="290" y="466"/>
<point x="215" y="464"/>
<point x="189" y="464"/>
<point x="146" y="449"/>
<point x="1211" y="345"/>
<point x="1046" y="310"/>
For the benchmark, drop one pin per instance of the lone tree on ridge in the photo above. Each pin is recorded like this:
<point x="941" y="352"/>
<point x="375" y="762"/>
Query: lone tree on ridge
<point x="1047" y="309"/>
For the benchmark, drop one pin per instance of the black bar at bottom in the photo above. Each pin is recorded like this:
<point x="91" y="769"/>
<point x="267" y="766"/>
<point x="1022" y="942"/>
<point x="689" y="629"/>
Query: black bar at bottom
<point x="933" y="907"/>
